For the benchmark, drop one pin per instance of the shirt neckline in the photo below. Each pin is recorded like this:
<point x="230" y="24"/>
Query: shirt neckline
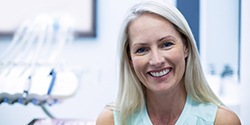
<point x="180" y="120"/>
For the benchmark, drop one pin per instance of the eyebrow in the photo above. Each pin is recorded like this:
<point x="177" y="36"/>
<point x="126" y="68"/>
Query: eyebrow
<point x="159" y="40"/>
<point x="142" y="44"/>
<point x="165" y="37"/>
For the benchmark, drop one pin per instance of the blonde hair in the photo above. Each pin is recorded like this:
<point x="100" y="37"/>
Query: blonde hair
<point x="131" y="95"/>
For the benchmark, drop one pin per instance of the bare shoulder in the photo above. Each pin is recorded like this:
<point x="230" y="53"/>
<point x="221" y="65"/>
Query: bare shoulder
<point x="105" y="117"/>
<point x="226" y="117"/>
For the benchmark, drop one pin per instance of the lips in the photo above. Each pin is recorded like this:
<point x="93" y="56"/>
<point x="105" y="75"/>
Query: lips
<point x="160" y="73"/>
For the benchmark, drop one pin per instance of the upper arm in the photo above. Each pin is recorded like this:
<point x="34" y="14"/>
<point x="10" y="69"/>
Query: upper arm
<point x="226" y="117"/>
<point x="105" y="117"/>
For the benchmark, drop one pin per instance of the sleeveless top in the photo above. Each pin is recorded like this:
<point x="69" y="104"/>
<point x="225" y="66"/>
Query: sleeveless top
<point x="194" y="113"/>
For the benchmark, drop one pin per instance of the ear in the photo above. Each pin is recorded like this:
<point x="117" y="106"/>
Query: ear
<point x="185" y="47"/>
<point x="186" y="50"/>
<point x="131" y="62"/>
<point x="129" y="57"/>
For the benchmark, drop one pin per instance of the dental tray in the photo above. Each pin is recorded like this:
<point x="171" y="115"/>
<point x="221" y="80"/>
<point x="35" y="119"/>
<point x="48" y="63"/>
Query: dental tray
<point x="45" y="86"/>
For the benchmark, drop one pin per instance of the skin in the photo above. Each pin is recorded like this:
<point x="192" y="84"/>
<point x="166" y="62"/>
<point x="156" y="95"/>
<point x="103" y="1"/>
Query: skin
<point x="158" y="56"/>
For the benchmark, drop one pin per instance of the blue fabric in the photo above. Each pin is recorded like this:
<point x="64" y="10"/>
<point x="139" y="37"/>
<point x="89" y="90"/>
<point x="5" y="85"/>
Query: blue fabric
<point x="194" y="113"/>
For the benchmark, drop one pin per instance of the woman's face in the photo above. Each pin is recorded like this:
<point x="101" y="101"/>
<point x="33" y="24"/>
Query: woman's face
<point x="157" y="53"/>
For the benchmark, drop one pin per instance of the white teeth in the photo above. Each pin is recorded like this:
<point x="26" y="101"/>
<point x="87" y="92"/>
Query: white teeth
<point x="159" y="74"/>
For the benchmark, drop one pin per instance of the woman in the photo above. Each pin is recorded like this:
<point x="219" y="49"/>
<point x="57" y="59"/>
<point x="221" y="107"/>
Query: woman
<point x="161" y="79"/>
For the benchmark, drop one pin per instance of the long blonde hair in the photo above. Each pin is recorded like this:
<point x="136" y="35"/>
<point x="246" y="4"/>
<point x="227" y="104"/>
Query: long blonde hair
<point x="131" y="95"/>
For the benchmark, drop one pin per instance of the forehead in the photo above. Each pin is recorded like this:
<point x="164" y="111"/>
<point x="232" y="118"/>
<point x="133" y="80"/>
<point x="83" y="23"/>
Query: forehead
<point x="147" y="16"/>
<point x="150" y="25"/>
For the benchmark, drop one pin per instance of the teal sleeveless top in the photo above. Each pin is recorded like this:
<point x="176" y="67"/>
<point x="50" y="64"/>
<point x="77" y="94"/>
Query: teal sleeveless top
<point x="194" y="113"/>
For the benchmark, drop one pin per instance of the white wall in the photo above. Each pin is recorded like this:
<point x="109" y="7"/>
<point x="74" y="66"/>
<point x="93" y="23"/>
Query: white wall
<point x="219" y="47"/>
<point x="228" y="44"/>
<point x="245" y="67"/>
<point x="219" y="33"/>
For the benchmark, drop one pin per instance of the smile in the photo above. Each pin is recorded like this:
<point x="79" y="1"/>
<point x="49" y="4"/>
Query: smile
<point x="160" y="73"/>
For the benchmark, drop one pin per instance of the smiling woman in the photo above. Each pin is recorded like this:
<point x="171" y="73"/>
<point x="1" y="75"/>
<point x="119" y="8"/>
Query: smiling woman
<point x="156" y="63"/>
<point x="161" y="79"/>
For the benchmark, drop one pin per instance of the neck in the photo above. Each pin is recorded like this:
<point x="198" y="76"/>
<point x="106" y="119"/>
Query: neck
<point x="166" y="108"/>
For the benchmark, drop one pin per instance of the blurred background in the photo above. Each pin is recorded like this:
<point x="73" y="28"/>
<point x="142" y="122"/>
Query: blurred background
<point x="221" y="29"/>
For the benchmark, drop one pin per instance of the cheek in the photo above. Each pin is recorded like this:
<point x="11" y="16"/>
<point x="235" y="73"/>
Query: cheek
<point x="180" y="64"/>
<point x="178" y="60"/>
<point x="138" y="63"/>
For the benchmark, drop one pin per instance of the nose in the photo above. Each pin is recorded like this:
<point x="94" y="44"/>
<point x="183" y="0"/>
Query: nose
<point x="156" y="59"/>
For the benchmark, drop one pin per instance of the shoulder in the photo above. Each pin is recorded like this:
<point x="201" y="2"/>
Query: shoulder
<point x="105" y="117"/>
<point x="202" y="111"/>
<point x="226" y="117"/>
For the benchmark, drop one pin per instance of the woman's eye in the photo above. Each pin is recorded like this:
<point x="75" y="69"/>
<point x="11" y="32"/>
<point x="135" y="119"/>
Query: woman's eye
<point x="167" y="44"/>
<point x="141" y="50"/>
